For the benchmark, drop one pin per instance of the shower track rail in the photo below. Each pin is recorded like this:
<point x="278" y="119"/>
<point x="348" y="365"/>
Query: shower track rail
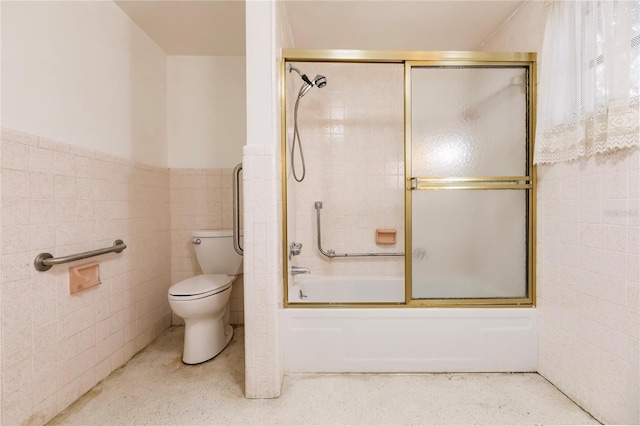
<point x="332" y="253"/>
<point x="44" y="261"/>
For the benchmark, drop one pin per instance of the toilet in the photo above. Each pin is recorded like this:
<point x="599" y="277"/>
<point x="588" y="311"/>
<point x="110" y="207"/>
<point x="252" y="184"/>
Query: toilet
<point x="203" y="301"/>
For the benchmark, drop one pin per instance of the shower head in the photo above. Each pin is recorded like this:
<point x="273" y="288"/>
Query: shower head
<point x="320" y="81"/>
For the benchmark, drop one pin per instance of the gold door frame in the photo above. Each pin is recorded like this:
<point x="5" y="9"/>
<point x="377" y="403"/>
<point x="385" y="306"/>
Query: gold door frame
<point x="410" y="59"/>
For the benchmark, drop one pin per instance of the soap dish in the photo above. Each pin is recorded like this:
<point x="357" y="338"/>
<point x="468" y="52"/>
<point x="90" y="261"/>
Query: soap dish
<point x="386" y="236"/>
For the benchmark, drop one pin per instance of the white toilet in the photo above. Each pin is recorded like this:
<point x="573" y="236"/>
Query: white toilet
<point x="202" y="301"/>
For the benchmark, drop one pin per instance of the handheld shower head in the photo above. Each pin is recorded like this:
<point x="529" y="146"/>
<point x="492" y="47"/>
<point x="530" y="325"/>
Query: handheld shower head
<point x="320" y="81"/>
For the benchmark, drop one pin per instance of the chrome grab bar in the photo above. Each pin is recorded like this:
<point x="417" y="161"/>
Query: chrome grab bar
<point x="236" y="209"/>
<point x="44" y="261"/>
<point x="332" y="253"/>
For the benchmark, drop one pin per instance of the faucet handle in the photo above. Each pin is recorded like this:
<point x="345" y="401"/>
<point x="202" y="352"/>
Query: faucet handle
<point x="295" y="249"/>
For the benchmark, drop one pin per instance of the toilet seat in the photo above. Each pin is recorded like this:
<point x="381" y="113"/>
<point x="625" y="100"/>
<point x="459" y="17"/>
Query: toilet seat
<point x="200" y="286"/>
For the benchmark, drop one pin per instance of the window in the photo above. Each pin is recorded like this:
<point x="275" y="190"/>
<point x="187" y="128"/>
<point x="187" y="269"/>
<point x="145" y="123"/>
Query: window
<point x="589" y="80"/>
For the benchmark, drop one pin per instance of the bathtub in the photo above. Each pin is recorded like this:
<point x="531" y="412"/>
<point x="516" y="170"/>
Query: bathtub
<point x="399" y="339"/>
<point x="374" y="289"/>
<point x="340" y="289"/>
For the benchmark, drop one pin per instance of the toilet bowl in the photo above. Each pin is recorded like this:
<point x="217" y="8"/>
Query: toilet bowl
<point x="203" y="301"/>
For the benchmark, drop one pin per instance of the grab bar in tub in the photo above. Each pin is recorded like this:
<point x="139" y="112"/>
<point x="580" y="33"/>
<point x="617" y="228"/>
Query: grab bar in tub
<point x="332" y="253"/>
<point x="44" y="261"/>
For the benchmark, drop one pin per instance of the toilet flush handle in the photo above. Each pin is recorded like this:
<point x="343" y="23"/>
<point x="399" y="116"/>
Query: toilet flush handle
<point x="196" y="241"/>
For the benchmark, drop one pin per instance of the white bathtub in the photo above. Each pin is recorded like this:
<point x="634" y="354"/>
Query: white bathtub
<point x="399" y="339"/>
<point x="339" y="289"/>
<point x="374" y="289"/>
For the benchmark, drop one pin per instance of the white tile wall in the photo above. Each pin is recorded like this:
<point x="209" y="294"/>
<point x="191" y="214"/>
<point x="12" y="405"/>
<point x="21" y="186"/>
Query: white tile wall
<point x="200" y="199"/>
<point x="62" y="199"/>
<point x="588" y="263"/>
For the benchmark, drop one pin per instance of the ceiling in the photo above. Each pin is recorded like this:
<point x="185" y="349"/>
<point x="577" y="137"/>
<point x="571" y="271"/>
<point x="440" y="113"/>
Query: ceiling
<point x="217" y="27"/>
<point x="184" y="27"/>
<point x="396" y="25"/>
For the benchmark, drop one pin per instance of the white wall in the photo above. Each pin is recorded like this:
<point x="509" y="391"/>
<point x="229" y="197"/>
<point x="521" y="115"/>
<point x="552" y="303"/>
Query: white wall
<point x="85" y="74"/>
<point x="206" y="111"/>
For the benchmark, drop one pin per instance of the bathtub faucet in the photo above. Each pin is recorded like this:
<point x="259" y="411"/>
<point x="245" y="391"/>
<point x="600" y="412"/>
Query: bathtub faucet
<point x="297" y="270"/>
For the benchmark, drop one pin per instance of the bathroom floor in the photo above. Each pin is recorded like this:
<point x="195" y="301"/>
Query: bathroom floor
<point x="156" y="388"/>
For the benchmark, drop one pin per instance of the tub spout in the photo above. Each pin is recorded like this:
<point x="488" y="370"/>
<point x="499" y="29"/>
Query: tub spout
<point x="297" y="270"/>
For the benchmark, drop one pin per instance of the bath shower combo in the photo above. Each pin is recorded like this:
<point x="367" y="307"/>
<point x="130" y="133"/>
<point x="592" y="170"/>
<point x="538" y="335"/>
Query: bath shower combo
<point x="436" y="147"/>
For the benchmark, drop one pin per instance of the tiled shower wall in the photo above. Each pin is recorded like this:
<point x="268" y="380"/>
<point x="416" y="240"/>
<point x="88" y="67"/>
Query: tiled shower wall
<point x="352" y="134"/>
<point x="62" y="199"/>
<point x="200" y="199"/>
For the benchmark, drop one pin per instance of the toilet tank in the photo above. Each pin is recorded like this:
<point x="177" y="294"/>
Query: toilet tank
<point x="215" y="252"/>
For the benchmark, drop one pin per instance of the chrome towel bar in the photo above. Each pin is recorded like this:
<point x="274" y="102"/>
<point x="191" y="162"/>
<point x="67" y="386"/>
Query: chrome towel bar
<point x="332" y="253"/>
<point x="44" y="261"/>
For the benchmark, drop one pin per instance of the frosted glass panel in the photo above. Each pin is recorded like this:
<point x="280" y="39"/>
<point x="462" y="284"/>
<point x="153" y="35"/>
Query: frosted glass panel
<point x="469" y="244"/>
<point x="468" y="122"/>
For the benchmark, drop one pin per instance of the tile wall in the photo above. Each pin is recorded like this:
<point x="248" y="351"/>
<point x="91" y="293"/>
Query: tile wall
<point x="588" y="263"/>
<point x="589" y="283"/>
<point x="263" y="271"/>
<point x="62" y="199"/>
<point x="352" y="134"/>
<point x="200" y="199"/>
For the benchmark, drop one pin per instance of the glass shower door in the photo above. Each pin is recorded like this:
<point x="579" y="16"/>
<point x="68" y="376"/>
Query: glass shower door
<point x="470" y="186"/>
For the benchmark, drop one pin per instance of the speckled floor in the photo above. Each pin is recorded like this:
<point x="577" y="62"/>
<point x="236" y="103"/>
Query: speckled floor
<point x="155" y="388"/>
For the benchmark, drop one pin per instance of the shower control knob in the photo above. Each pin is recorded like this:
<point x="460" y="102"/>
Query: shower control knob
<point x="295" y="249"/>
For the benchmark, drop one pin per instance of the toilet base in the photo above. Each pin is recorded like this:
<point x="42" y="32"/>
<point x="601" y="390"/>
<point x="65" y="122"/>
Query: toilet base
<point x="204" y="340"/>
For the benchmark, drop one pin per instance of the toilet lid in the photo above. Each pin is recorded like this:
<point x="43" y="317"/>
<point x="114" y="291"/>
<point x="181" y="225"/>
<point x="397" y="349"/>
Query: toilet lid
<point x="200" y="284"/>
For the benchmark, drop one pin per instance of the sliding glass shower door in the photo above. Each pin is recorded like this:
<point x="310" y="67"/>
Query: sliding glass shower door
<point x="469" y="191"/>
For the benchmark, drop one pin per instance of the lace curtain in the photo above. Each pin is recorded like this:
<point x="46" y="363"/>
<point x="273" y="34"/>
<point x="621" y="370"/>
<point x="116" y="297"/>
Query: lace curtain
<point x="588" y="92"/>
